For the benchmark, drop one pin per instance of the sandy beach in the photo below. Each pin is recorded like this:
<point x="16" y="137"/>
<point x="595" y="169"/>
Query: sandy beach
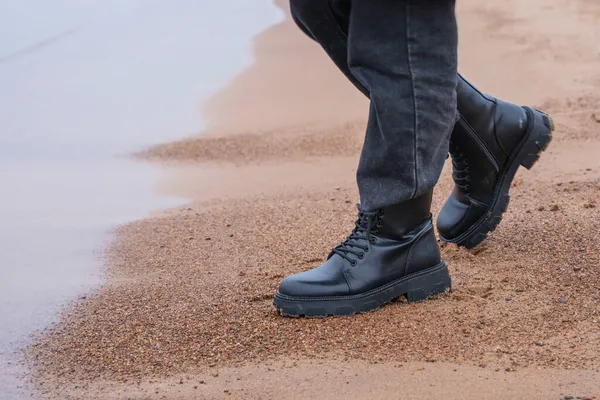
<point x="186" y="311"/>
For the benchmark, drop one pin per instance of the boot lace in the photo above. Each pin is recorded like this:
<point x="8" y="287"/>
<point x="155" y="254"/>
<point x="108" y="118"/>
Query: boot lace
<point x="461" y="170"/>
<point x="357" y="243"/>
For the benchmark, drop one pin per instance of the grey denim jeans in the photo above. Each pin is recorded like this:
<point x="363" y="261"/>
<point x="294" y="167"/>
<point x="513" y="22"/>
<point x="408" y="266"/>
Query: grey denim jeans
<point x="402" y="54"/>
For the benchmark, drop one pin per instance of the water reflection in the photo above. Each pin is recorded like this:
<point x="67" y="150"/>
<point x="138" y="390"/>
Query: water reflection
<point x="83" y="83"/>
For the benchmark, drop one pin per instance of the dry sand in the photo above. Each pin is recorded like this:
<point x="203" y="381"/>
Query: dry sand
<point x="187" y="313"/>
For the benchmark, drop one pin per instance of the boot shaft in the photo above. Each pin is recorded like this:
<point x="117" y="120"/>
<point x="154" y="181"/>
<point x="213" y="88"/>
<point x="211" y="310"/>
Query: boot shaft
<point x="399" y="219"/>
<point x="495" y="126"/>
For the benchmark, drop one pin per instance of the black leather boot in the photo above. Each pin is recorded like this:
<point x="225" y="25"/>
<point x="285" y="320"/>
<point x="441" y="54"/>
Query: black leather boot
<point x="490" y="141"/>
<point x="390" y="253"/>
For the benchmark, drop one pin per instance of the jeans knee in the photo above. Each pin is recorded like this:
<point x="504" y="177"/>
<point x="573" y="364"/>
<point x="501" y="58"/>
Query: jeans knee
<point x="303" y="7"/>
<point x="306" y="13"/>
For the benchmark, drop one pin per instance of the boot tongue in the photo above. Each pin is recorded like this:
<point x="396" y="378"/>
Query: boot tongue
<point x="358" y="237"/>
<point x="363" y="225"/>
<point x="363" y="220"/>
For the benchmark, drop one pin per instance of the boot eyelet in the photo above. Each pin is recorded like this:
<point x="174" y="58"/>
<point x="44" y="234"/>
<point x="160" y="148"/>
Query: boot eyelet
<point x="367" y="249"/>
<point x="361" y="255"/>
<point x="353" y="263"/>
<point x="373" y="240"/>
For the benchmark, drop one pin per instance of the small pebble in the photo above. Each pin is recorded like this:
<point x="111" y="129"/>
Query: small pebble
<point x="563" y="300"/>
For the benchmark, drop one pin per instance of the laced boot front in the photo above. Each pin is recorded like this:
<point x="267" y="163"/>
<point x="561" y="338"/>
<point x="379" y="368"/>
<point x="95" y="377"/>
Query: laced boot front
<point x="390" y="253"/>
<point x="461" y="169"/>
<point x="356" y="246"/>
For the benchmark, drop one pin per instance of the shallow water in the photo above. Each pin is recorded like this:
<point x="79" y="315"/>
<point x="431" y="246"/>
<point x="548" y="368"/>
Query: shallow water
<point x="82" y="84"/>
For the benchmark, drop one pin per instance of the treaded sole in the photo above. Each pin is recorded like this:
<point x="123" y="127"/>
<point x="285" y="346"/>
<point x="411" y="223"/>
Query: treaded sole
<point x="415" y="287"/>
<point x="527" y="153"/>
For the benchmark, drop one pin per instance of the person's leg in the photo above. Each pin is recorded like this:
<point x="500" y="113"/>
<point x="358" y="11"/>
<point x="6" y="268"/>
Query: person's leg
<point x="489" y="141"/>
<point x="326" y="22"/>
<point x="402" y="65"/>
<point x="403" y="52"/>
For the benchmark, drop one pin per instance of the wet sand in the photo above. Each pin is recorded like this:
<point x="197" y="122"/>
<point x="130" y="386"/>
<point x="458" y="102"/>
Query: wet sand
<point x="186" y="311"/>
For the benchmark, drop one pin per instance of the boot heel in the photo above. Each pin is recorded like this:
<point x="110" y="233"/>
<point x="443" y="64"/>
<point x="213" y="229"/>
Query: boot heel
<point x="429" y="285"/>
<point x="539" y="138"/>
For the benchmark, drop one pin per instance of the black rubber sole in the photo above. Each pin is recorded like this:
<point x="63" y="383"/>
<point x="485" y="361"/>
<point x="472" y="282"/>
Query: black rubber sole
<point x="526" y="154"/>
<point x="416" y="287"/>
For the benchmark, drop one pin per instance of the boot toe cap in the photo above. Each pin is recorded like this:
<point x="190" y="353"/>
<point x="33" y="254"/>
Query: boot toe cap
<point x="318" y="282"/>
<point x="451" y="221"/>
